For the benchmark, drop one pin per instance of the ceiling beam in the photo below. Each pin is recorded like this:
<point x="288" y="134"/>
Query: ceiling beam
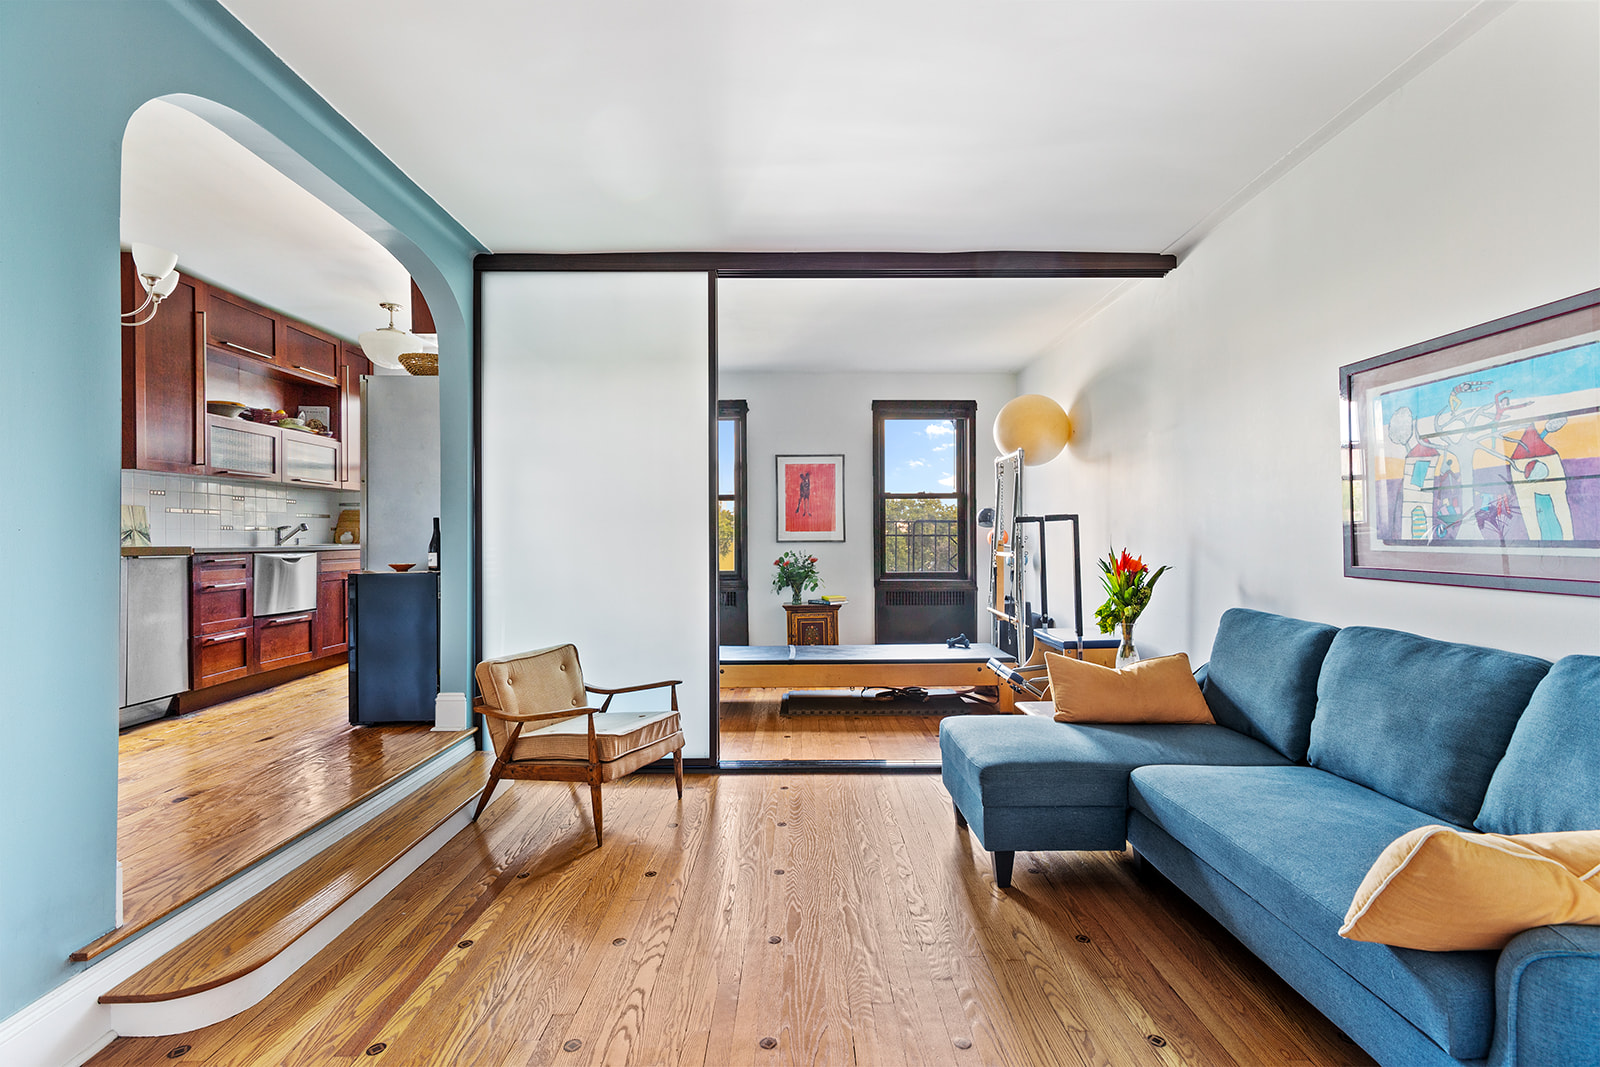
<point x="848" y="264"/>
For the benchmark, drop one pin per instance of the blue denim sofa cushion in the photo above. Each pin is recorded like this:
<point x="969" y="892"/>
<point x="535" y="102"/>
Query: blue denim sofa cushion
<point x="1550" y="776"/>
<point x="1299" y="841"/>
<point x="1261" y="679"/>
<point x="1032" y="762"/>
<point x="1422" y="721"/>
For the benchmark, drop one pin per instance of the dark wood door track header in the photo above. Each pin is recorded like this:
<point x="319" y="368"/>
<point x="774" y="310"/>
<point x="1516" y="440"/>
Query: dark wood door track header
<point x="847" y="264"/>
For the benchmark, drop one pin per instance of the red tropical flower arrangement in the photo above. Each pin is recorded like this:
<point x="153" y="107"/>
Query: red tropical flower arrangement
<point x="1128" y="582"/>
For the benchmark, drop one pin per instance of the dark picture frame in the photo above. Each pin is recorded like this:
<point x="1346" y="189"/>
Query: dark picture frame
<point x="1473" y="459"/>
<point x="810" y="497"/>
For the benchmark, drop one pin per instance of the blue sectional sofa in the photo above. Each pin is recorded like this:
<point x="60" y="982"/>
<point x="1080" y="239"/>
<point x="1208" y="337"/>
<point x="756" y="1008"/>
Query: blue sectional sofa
<point x="1328" y="745"/>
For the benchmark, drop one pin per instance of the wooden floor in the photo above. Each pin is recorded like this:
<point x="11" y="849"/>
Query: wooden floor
<point x="202" y="797"/>
<point x="752" y="729"/>
<point x="765" y="919"/>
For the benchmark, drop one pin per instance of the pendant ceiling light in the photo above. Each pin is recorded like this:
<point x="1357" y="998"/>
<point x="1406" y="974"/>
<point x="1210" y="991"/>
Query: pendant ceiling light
<point x="157" y="271"/>
<point x="385" y="345"/>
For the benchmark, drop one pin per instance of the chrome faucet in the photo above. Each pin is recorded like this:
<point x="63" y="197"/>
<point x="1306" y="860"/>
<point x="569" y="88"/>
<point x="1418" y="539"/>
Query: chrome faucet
<point x="279" y="537"/>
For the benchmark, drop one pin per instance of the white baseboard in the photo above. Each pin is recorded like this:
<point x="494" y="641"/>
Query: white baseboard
<point x="68" y="1025"/>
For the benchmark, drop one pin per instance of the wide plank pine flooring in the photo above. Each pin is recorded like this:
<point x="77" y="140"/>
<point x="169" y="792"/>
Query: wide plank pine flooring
<point x="203" y="796"/>
<point x="765" y="919"/>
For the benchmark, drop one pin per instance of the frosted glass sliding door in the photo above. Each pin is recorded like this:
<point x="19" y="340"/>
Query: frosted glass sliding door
<point x="597" y="479"/>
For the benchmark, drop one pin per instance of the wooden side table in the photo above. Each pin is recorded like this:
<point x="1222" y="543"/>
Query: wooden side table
<point x="813" y="624"/>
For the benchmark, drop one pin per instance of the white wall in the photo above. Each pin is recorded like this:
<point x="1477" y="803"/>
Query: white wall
<point x="1207" y="402"/>
<point x="797" y="413"/>
<point x="596" y="427"/>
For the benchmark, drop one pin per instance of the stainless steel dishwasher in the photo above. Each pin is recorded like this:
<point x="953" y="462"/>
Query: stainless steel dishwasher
<point x="285" y="583"/>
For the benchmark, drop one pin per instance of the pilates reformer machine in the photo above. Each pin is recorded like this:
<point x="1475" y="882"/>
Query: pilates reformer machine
<point x="1019" y="569"/>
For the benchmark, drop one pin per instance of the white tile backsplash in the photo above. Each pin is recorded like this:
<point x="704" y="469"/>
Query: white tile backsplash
<point x="237" y="505"/>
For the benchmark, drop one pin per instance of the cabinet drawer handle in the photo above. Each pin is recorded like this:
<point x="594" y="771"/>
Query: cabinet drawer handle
<point x="248" y="351"/>
<point x="212" y="561"/>
<point x="318" y="373"/>
<point x="200" y="379"/>
<point x="285" y="621"/>
<point x="309" y="481"/>
<point x="241" y="474"/>
<point x="219" y="638"/>
<point x="222" y="585"/>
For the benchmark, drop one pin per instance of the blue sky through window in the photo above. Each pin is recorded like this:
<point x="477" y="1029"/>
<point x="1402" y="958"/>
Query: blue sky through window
<point x="919" y="455"/>
<point x="725" y="430"/>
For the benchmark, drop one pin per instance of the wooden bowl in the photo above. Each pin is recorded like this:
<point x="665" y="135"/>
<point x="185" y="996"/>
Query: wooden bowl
<point x="402" y="567"/>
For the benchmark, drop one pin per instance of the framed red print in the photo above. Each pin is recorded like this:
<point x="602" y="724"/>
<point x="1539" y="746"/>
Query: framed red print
<point x="810" y="498"/>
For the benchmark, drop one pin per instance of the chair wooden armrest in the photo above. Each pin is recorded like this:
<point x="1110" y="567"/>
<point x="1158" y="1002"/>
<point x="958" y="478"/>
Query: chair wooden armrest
<point x="489" y="709"/>
<point x="609" y="693"/>
<point x="634" y="688"/>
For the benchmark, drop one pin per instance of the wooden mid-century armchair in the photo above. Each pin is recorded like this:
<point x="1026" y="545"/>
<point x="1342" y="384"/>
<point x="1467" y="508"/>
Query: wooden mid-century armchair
<point x="536" y="704"/>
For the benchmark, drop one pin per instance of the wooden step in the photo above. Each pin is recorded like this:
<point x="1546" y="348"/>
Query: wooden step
<point x="271" y="921"/>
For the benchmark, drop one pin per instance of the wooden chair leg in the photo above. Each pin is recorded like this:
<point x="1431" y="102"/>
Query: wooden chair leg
<point x="677" y="769"/>
<point x="594" y="797"/>
<point x="488" y="791"/>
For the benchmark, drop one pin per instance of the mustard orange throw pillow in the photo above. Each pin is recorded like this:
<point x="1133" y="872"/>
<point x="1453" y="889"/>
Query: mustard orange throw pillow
<point x="1154" y="690"/>
<point x="1441" y="889"/>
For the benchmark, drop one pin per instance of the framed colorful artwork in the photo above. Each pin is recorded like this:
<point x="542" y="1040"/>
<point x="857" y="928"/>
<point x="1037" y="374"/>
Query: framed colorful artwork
<point x="810" y="498"/>
<point x="1474" y="459"/>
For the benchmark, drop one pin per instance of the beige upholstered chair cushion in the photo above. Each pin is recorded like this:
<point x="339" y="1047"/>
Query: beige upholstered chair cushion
<point x="616" y="734"/>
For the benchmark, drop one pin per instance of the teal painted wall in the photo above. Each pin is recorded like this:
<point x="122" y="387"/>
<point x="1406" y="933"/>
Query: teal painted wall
<point x="71" y="73"/>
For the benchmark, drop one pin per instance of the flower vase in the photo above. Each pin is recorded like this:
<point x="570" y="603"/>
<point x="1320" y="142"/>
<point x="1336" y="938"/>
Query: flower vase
<point x="1127" y="655"/>
<point x="795" y="596"/>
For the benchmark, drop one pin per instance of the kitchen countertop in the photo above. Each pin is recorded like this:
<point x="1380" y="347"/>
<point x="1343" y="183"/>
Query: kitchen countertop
<point x="230" y="550"/>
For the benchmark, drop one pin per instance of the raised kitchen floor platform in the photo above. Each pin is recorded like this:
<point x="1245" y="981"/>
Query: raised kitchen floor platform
<point x="203" y="797"/>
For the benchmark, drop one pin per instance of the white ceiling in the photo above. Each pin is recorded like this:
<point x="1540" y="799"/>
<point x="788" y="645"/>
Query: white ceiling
<point x="937" y="325"/>
<point x="1088" y="125"/>
<point x="234" y="220"/>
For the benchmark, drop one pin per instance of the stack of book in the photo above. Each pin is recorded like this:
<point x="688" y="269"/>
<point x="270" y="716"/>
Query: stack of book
<point x="831" y="598"/>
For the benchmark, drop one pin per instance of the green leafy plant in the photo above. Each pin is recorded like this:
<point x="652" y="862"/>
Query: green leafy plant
<point x="795" y="571"/>
<point x="1128" y="583"/>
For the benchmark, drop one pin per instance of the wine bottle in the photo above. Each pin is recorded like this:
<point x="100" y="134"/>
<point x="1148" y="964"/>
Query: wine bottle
<point x="433" y="548"/>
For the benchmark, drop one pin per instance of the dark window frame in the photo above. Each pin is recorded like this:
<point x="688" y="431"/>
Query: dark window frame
<point x="965" y="415"/>
<point x="736" y="412"/>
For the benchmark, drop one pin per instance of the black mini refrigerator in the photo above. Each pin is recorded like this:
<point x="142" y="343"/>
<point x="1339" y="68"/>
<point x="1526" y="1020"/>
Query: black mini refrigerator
<point x="394" y="647"/>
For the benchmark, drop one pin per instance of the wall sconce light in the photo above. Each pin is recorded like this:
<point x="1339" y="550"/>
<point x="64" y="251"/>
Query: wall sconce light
<point x="157" y="271"/>
<point x="385" y="345"/>
<point x="1036" y="424"/>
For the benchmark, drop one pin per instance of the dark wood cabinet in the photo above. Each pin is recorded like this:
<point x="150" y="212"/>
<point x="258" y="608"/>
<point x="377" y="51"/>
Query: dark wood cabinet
<point x="241" y="328"/>
<point x="220" y="607"/>
<point x="352" y="365"/>
<point x="813" y="624"/>
<point x="310" y="352"/>
<point x="205" y="343"/>
<point x="222" y="657"/>
<point x="284" y="640"/>
<point x="220" y="592"/>
<point x="333" y="583"/>
<point x="163" y="380"/>
<point x="228" y="642"/>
